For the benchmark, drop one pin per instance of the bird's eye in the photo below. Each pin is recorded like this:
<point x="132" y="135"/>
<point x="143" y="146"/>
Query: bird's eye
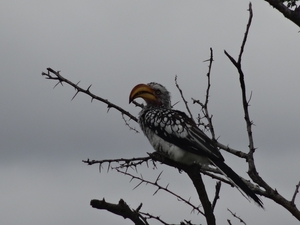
<point x="157" y="92"/>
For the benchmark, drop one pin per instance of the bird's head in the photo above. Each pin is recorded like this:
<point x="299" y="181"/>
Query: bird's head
<point x="154" y="94"/>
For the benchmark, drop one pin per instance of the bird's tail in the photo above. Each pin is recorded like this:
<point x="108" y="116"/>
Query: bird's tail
<point x="237" y="181"/>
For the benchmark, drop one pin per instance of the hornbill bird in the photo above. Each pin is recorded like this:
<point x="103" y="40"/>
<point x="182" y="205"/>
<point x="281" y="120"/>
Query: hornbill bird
<point x="175" y="134"/>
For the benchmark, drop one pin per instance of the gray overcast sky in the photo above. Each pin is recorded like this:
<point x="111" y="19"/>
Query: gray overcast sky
<point x="114" y="45"/>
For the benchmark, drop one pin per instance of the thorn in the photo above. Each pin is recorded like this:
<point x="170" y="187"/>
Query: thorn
<point x="56" y="84"/>
<point x="88" y="89"/>
<point x="158" y="177"/>
<point x="156" y="191"/>
<point x="108" y="166"/>
<point x="108" y="108"/>
<point x="139" y="207"/>
<point x="75" y="95"/>
<point x="137" y="185"/>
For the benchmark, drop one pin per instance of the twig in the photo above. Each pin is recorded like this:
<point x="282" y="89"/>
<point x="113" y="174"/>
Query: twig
<point x="128" y="125"/>
<point x="232" y="151"/>
<point x="295" y="193"/>
<point x="246" y="33"/>
<point x="123" y="163"/>
<point x="185" y="101"/>
<point x="217" y="195"/>
<point x="229" y="222"/>
<point x="239" y="218"/>
<point x="149" y="216"/>
<point x="204" y="107"/>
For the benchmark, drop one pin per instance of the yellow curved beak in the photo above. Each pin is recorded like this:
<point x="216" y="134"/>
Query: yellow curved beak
<point x="142" y="91"/>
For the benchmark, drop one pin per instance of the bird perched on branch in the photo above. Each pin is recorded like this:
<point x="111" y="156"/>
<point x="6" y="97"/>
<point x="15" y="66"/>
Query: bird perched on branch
<point x="175" y="134"/>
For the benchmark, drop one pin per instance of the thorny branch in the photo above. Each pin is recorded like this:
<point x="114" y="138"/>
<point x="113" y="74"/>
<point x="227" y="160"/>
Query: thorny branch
<point x="128" y="125"/>
<point x="235" y="216"/>
<point x="196" y="178"/>
<point x="183" y="98"/>
<point x="193" y="173"/>
<point x="126" y="163"/>
<point x="122" y="163"/>
<point x="217" y="195"/>
<point x="121" y="209"/>
<point x="238" y="65"/>
<point x="135" y="215"/>
<point x="269" y="192"/>
<point x="149" y="216"/>
<point x="159" y="187"/>
<point x="289" y="13"/>
<point x="204" y="107"/>
<point x="245" y="103"/>
<point x="55" y="75"/>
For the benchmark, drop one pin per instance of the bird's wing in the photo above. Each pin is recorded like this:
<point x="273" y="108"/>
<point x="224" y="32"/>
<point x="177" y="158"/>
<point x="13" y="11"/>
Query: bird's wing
<point x="177" y="128"/>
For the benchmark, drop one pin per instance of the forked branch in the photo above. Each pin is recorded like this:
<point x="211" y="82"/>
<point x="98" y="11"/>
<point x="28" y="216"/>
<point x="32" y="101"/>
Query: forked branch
<point x="269" y="192"/>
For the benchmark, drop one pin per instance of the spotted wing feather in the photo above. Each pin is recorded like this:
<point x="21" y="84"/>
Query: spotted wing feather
<point x="177" y="128"/>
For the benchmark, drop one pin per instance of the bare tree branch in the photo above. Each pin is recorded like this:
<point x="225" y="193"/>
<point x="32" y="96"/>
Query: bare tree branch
<point x="128" y="125"/>
<point x="292" y="15"/>
<point x="121" y="209"/>
<point x="204" y="107"/>
<point x="55" y="75"/>
<point x="183" y="98"/>
<point x="235" y="152"/>
<point x="217" y="194"/>
<point x="235" y="216"/>
<point x="159" y="187"/>
<point x="122" y="163"/>
<point x="295" y="193"/>
<point x="149" y="216"/>
<point x="195" y="176"/>
<point x="269" y="192"/>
